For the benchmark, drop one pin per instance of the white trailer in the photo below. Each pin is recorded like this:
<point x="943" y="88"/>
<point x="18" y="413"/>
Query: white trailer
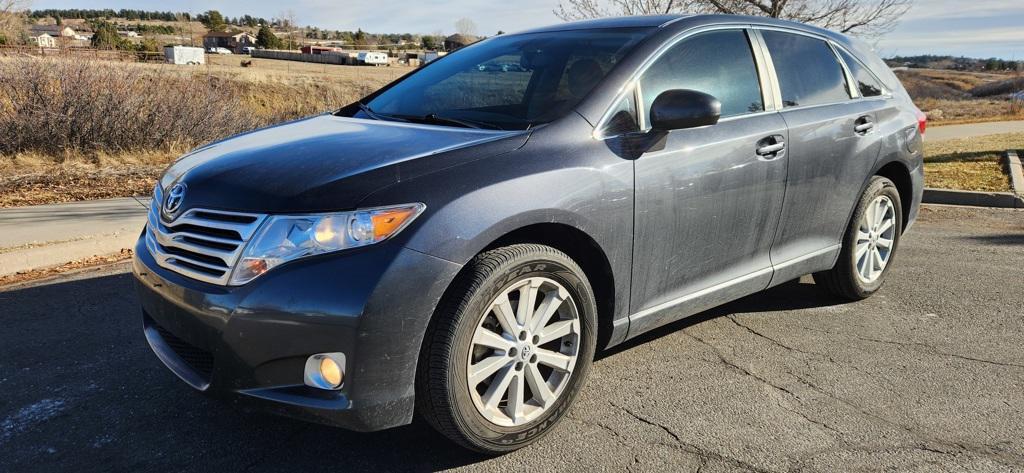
<point x="184" y="55"/>
<point x="373" y="58"/>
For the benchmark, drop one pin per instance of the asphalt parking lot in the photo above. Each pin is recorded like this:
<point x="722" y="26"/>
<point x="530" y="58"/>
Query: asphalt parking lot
<point x="926" y="376"/>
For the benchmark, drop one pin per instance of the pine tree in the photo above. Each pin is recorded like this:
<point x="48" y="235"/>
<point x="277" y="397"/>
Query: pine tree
<point x="266" y="38"/>
<point x="213" y="20"/>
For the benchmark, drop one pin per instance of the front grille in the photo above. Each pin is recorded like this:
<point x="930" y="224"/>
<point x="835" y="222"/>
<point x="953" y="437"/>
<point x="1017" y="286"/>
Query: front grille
<point x="196" y="358"/>
<point x="200" y="244"/>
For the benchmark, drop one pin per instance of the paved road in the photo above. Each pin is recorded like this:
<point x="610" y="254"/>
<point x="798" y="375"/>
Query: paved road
<point x="926" y="376"/>
<point x="971" y="130"/>
<point x="45" y="235"/>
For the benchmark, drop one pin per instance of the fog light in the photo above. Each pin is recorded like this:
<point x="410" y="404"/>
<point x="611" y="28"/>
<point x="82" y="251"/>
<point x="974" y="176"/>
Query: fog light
<point x="325" y="371"/>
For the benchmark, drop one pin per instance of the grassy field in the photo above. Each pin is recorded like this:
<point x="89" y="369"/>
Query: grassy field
<point x="952" y="97"/>
<point x="970" y="163"/>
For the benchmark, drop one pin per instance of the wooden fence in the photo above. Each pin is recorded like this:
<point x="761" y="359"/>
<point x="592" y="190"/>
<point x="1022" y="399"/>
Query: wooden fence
<point x="88" y="53"/>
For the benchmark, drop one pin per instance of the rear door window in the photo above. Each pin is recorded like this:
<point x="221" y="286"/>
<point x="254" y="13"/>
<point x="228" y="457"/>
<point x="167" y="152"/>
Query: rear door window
<point x="719" y="63"/>
<point x="865" y="80"/>
<point x="809" y="72"/>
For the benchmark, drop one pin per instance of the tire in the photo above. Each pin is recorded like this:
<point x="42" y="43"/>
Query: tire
<point x="446" y="399"/>
<point x="847" y="278"/>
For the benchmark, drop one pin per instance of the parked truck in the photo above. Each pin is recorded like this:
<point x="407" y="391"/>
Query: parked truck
<point x="184" y="55"/>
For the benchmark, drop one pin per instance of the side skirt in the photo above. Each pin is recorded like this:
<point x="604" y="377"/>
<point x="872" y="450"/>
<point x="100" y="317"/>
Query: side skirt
<point x="697" y="302"/>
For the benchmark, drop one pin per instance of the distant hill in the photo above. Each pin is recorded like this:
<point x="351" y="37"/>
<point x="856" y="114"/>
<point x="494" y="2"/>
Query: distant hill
<point x="955" y="63"/>
<point x="169" y="22"/>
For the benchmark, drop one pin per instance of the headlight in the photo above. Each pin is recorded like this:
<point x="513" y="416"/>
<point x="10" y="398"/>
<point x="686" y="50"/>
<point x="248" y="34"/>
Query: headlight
<point x="284" y="238"/>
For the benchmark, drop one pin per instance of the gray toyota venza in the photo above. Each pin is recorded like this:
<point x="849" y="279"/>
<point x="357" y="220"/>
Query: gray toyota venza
<point x="460" y="243"/>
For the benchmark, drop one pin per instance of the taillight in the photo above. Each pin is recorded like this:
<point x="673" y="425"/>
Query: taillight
<point x="922" y="121"/>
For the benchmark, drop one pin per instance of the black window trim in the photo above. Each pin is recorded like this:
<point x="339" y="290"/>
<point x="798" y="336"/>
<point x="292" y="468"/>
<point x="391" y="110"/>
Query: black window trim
<point x="765" y="76"/>
<point x="850" y="80"/>
<point x="778" y="89"/>
<point x="771" y="92"/>
<point x="886" y="93"/>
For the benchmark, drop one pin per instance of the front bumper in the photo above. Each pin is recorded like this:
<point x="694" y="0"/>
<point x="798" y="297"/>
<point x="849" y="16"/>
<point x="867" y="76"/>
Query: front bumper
<point x="252" y="341"/>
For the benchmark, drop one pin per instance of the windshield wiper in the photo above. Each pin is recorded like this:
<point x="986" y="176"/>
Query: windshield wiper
<point x="435" y="118"/>
<point x="439" y="120"/>
<point x="379" y="116"/>
<point x="428" y="118"/>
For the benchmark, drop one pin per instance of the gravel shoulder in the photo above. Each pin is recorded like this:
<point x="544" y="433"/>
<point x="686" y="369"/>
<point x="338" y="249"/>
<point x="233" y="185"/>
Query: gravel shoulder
<point x="928" y="375"/>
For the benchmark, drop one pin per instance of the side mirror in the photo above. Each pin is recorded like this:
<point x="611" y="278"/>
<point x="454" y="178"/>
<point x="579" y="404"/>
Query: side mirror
<point x="682" y="108"/>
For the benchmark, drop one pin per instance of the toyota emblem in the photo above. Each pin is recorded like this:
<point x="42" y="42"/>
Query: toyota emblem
<point x="174" y="199"/>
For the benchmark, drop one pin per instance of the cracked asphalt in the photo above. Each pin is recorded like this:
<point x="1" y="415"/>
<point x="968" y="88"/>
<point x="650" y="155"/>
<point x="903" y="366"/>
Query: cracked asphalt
<point x="928" y="375"/>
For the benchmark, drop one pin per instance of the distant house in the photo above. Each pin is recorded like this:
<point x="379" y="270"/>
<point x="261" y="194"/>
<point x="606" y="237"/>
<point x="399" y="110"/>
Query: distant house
<point x="232" y="40"/>
<point x="43" y="41"/>
<point x="457" y="41"/>
<point x="50" y="36"/>
<point x="127" y="34"/>
<point x="55" y="31"/>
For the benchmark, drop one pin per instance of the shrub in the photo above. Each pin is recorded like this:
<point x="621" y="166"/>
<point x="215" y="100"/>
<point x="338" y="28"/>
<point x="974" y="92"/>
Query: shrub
<point x="68" y="106"/>
<point x="1016" y="107"/>
<point x="1008" y="86"/>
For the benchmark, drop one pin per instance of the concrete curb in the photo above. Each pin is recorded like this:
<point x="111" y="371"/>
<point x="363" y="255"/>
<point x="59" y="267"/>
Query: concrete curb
<point x="1004" y="200"/>
<point x="1013" y="165"/>
<point x="50" y="235"/>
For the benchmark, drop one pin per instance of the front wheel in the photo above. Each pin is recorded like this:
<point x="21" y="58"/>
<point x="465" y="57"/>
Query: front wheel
<point x="509" y="348"/>
<point x="869" y="244"/>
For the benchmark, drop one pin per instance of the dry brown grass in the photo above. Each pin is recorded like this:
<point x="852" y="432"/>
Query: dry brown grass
<point x="954" y="112"/>
<point x="951" y="97"/>
<point x="80" y="129"/>
<point x="148" y="114"/>
<point x="80" y="106"/>
<point x="74" y="105"/>
<point x="34" y="179"/>
<point x="971" y="163"/>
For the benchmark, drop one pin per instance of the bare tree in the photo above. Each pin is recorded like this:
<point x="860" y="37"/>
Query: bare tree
<point x="181" y="24"/>
<point x="288" y="24"/>
<point x="587" y="9"/>
<point x="12" y="19"/>
<point x="465" y="26"/>
<point x="869" y="18"/>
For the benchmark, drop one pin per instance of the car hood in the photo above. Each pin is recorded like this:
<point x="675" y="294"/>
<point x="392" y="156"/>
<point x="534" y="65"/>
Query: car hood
<point x="320" y="163"/>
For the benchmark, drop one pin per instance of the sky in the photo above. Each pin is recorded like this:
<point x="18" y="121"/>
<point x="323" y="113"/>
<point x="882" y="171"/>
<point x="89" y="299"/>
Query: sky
<point x="975" y="28"/>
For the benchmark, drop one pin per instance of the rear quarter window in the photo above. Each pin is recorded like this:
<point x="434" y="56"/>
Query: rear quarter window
<point x="809" y="72"/>
<point x="866" y="82"/>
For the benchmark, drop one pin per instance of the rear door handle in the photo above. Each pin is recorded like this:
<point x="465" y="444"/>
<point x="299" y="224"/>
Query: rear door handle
<point x="771" y="147"/>
<point x="863" y="125"/>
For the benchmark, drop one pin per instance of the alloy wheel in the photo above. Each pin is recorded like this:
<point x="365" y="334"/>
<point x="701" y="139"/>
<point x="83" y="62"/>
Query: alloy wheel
<point x="523" y="351"/>
<point x="875" y="239"/>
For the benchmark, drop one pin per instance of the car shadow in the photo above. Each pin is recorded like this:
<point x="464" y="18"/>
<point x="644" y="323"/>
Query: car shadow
<point x="1014" y="239"/>
<point x="793" y="295"/>
<point x="84" y="392"/>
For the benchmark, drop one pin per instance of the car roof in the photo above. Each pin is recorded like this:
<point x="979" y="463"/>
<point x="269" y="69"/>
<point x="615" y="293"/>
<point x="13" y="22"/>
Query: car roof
<point x="649" y="21"/>
<point x="680" y="22"/>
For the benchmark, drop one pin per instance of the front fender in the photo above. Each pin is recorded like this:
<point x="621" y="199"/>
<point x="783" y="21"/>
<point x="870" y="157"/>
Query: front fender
<point x="476" y="203"/>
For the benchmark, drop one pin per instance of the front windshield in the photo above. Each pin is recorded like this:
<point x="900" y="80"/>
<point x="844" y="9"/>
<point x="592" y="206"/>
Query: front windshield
<point x="507" y="82"/>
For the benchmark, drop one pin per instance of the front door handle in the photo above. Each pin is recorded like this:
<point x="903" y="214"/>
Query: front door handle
<point x="863" y="125"/>
<point x="771" y="147"/>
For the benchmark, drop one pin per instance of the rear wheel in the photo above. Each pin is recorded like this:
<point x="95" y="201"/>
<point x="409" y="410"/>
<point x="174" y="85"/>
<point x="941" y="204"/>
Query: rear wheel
<point x="509" y="349"/>
<point x="869" y="244"/>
